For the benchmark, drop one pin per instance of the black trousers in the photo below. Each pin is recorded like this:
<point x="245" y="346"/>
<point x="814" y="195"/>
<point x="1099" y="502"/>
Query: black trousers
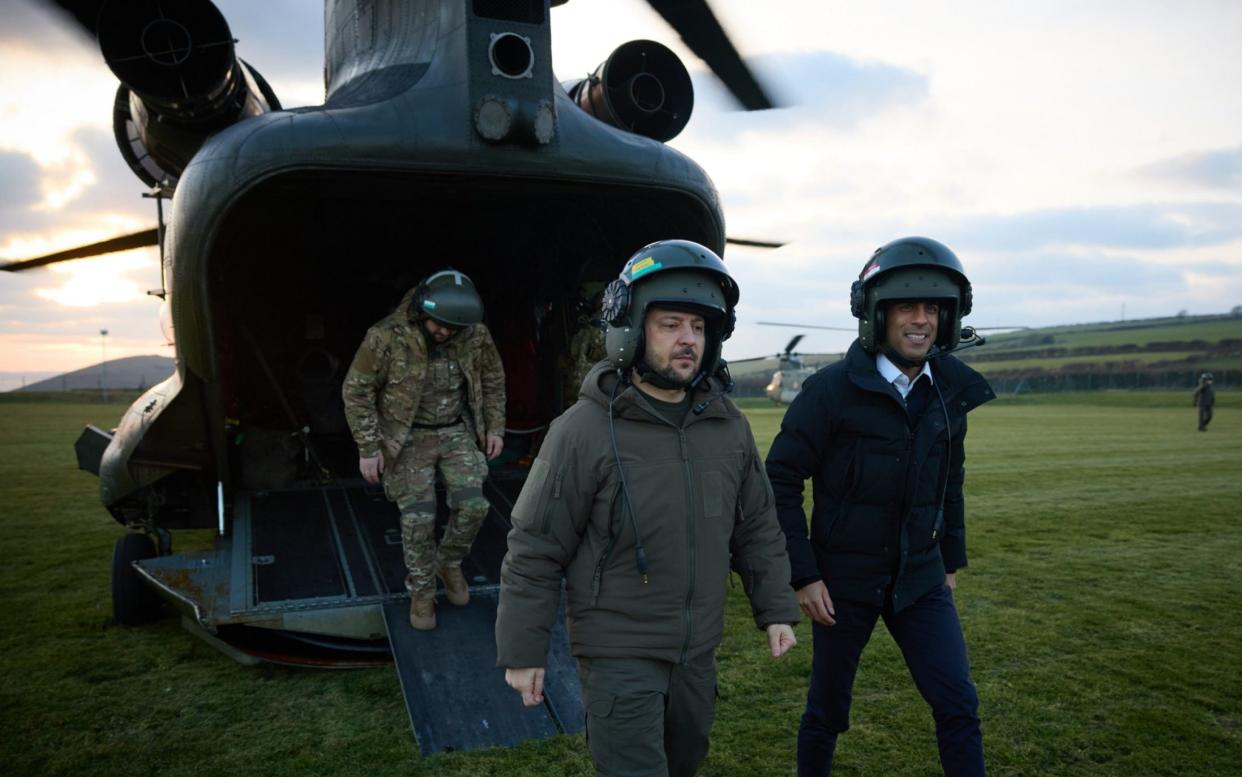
<point x="930" y="637"/>
<point x="1205" y="416"/>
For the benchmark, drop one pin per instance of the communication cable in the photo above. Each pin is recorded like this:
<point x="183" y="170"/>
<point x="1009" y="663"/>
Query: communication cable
<point x="640" y="554"/>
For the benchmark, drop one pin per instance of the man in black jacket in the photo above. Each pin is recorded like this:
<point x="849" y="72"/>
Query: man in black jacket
<point x="880" y="434"/>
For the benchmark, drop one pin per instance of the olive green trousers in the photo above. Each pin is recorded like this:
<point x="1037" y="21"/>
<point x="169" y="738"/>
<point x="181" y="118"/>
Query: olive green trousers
<point x="648" y="718"/>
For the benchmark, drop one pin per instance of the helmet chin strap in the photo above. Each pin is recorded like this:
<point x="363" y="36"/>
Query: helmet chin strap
<point x="899" y="360"/>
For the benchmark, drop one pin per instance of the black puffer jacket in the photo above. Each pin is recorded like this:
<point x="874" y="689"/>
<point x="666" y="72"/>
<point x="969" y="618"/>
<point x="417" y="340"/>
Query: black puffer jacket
<point x="877" y="481"/>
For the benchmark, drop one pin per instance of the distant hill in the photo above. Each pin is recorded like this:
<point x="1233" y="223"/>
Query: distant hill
<point x="1146" y="353"/>
<point x="1169" y="352"/>
<point x="133" y="372"/>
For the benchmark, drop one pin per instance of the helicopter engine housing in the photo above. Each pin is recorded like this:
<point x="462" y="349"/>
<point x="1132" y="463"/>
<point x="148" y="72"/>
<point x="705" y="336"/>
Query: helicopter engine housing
<point x="181" y="81"/>
<point x="642" y="88"/>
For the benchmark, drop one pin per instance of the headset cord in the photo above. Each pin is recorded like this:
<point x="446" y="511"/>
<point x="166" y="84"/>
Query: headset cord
<point x="948" y="460"/>
<point x="726" y="385"/>
<point x="640" y="555"/>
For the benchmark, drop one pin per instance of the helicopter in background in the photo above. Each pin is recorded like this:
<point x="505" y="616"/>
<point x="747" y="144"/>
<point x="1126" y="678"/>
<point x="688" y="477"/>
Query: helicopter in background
<point x="444" y="138"/>
<point x="787" y="380"/>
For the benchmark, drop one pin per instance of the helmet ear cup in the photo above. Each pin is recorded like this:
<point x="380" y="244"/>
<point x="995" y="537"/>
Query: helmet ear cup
<point x="420" y="296"/>
<point x="730" y="321"/>
<point x="946" y="327"/>
<point x="858" y="298"/>
<point x="967" y="298"/>
<point x="615" y="307"/>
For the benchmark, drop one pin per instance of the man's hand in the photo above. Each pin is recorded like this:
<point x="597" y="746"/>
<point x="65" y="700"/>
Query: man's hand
<point x="495" y="444"/>
<point x="817" y="604"/>
<point x="371" y="469"/>
<point x="528" y="682"/>
<point x="950" y="579"/>
<point x="780" y="639"/>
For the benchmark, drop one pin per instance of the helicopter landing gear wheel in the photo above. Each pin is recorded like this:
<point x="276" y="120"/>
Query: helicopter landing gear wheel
<point x="133" y="602"/>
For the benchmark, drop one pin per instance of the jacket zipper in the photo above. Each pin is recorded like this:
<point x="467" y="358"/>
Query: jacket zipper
<point x="597" y="579"/>
<point x="689" y="611"/>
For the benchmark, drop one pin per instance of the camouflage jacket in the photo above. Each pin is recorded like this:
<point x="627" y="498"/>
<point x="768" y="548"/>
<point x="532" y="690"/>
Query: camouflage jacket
<point x="385" y="382"/>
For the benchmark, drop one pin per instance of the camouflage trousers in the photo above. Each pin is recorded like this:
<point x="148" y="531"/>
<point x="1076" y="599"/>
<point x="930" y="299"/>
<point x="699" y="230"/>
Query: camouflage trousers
<point x="411" y="481"/>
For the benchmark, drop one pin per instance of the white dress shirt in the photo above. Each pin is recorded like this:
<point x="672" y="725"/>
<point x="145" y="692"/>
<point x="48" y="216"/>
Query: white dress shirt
<point x="899" y="379"/>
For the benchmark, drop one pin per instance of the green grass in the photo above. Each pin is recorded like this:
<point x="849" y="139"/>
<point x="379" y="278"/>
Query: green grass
<point x="1201" y="361"/>
<point x="1025" y="355"/>
<point x="1101" y="606"/>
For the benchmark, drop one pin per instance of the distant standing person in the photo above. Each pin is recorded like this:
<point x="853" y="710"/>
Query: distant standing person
<point x="426" y="392"/>
<point x="1205" y="399"/>
<point x="881" y="434"/>
<point x="644" y="493"/>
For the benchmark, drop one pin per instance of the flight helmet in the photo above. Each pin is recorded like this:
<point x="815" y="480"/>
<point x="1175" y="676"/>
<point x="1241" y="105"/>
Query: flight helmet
<point x="1206" y="377"/>
<point x="911" y="268"/>
<point x="449" y="297"/>
<point x="677" y="274"/>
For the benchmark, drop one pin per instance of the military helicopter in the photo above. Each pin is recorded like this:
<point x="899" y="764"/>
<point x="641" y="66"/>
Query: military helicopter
<point x="790" y="372"/>
<point x="444" y="139"/>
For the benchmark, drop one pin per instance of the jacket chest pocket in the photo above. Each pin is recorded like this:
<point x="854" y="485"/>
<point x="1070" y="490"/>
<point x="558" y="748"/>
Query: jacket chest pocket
<point x="718" y="490"/>
<point x="713" y="495"/>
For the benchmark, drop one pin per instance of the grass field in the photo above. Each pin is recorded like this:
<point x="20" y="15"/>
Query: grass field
<point x="1192" y="360"/>
<point x="1101" y="605"/>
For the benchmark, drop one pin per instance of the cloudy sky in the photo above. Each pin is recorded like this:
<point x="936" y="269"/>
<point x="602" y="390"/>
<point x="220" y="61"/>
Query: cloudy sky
<point x="1084" y="159"/>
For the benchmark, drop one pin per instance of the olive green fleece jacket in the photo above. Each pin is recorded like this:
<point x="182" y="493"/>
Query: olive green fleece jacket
<point x="384" y="385"/>
<point x="700" y="497"/>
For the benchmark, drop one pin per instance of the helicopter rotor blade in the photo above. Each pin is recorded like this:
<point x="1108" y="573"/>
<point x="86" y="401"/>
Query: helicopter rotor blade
<point x="793" y="343"/>
<point x="741" y="241"/>
<point x="701" y="31"/>
<point x="84" y="12"/>
<point x="810" y="326"/>
<point x="148" y="237"/>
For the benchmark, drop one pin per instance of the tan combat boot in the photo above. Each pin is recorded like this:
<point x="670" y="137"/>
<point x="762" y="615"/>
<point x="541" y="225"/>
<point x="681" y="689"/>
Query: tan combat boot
<point x="423" y="610"/>
<point x="456" y="589"/>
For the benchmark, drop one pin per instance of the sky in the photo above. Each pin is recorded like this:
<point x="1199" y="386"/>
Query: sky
<point x="1083" y="159"/>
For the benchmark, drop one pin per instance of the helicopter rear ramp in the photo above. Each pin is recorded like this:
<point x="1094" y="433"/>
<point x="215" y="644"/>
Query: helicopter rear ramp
<point x="455" y="694"/>
<point x="315" y="577"/>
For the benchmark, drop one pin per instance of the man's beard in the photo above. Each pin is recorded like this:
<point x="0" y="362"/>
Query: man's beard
<point x="672" y="376"/>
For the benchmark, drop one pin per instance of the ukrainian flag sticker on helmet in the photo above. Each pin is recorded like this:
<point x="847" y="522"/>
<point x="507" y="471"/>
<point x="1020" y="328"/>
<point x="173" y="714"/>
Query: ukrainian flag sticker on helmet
<point x="644" y="266"/>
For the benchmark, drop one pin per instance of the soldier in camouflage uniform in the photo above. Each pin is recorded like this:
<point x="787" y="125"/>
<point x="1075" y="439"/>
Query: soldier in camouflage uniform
<point x="426" y="392"/>
<point x="586" y="348"/>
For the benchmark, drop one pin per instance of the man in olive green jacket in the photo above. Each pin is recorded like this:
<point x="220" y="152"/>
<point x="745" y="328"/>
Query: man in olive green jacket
<point x="426" y="393"/>
<point x="642" y="496"/>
